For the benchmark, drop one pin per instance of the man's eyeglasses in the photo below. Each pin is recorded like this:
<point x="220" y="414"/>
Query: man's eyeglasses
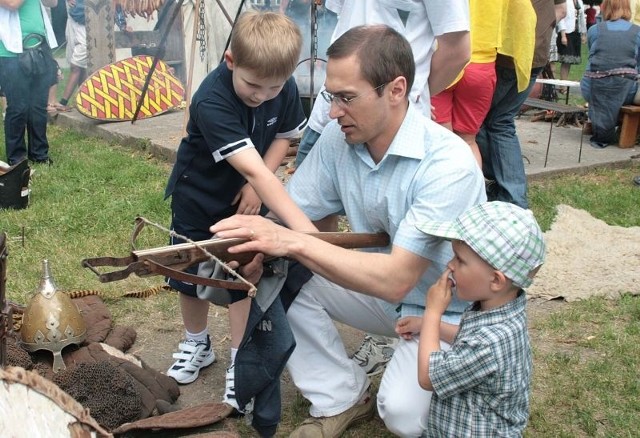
<point x="344" y="102"/>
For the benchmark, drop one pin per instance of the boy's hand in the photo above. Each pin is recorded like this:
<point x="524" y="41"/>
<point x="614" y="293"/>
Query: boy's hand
<point x="248" y="201"/>
<point x="252" y="271"/>
<point x="408" y="326"/>
<point x="439" y="295"/>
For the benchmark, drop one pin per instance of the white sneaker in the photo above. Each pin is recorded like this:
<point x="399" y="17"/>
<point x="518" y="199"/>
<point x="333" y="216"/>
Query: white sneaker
<point x="230" y="392"/>
<point x="190" y="359"/>
<point x="374" y="353"/>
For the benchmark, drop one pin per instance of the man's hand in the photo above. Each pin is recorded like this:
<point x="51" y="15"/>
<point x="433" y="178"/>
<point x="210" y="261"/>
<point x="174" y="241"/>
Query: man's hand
<point x="248" y="201"/>
<point x="262" y="234"/>
<point x="440" y="294"/>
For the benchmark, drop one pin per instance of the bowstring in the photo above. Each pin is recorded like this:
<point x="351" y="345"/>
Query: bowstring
<point x="252" y="288"/>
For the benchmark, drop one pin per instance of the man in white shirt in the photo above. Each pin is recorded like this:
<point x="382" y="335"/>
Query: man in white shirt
<point x="427" y="25"/>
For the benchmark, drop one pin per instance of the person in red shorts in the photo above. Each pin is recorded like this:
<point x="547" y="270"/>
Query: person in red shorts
<point x="463" y="106"/>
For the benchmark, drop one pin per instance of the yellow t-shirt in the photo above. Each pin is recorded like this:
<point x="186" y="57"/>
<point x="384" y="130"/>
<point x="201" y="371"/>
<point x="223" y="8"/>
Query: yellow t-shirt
<point x="635" y="12"/>
<point x="507" y="27"/>
<point x="484" y="20"/>
<point x="518" y="37"/>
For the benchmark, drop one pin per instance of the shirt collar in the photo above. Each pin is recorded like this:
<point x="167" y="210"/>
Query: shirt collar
<point x="474" y="317"/>
<point x="409" y="140"/>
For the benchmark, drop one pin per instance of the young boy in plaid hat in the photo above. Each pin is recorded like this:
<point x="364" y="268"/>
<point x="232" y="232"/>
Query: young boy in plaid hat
<point x="480" y="386"/>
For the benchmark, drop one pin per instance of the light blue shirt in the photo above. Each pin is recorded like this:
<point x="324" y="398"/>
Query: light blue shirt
<point x="428" y="173"/>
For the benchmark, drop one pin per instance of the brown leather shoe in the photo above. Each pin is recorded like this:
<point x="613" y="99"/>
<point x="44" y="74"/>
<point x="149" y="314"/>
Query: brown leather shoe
<point x="333" y="427"/>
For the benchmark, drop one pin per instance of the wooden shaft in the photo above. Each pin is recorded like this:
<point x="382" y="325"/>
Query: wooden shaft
<point x="190" y="253"/>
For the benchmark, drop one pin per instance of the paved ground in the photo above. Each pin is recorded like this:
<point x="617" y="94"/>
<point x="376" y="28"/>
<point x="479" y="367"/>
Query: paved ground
<point x="161" y="135"/>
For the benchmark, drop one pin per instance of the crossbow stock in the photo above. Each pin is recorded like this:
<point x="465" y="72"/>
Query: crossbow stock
<point x="170" y="261"/>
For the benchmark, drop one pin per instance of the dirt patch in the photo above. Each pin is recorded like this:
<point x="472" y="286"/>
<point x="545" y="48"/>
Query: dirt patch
<point x="585" y="256"/>
<point x="158" y="339"/>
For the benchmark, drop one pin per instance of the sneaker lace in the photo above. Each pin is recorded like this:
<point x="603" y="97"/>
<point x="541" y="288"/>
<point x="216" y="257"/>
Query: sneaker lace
<point x="364" y="350"/>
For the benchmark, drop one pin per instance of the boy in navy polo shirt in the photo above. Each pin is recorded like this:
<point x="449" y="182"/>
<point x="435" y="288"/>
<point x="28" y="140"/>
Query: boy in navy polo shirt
<point x="241" y="121"/>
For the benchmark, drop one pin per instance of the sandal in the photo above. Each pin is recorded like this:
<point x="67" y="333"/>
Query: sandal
<point x="60" y="107"/>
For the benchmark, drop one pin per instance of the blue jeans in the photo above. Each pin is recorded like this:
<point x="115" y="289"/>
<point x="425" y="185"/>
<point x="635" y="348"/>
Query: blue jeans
<point x="605" y="97"/>
<point x="26" y="111"/>
<point x="309" y="138"/>
<point x="498" y="141"/>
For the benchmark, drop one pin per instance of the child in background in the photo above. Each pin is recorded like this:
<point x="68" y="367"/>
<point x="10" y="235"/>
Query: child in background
<point x="241" y="121"/>
<point x="77" y="57"/>
<point x="481" y="384"/>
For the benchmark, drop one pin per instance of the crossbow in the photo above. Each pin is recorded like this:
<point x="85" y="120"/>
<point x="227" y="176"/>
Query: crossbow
<point x="172" y="260"/>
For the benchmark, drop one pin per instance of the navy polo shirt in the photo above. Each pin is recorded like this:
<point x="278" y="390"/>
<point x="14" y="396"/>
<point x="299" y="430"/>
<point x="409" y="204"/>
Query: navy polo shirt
<point x="203" y="184"/>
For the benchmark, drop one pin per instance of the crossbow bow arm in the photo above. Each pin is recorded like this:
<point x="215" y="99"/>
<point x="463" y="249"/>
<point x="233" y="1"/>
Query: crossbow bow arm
<point x="173" y="259"/>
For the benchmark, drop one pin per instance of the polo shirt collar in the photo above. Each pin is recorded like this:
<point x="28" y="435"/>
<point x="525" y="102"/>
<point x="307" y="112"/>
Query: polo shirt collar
<point x="408" y="141"/>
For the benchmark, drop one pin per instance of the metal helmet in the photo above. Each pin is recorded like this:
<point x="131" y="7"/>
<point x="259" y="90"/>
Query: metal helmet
<point x="51" y="321"/>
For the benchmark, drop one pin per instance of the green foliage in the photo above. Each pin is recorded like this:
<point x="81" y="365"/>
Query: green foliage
<point x="607" y="194"/>
<point x="82" y="206"/>
<point x="586" y="379"/>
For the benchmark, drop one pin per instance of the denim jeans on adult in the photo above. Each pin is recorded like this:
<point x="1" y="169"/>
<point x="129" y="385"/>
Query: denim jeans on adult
<point x="309" y="138"/>
<point x="499" y="143"/>
<point x="26" y="111"/>
<point x="605" y="97"/>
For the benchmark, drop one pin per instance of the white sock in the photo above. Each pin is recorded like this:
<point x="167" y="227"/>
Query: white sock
<point x="234" y="351"/>
<point x="200" y="337"/>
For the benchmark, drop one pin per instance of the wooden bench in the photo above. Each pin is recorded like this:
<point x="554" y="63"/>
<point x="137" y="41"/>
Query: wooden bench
<point x="559" y="108"/>
<point x="630" y="124"/>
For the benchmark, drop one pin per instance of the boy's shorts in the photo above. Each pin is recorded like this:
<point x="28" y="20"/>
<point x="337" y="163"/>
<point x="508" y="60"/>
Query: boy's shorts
<point x="466" y="103"/>
<point x="76" y="44"/>
<point x="194" y="234"/>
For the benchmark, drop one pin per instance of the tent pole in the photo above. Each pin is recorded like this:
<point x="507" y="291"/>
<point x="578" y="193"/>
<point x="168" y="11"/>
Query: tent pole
<point x="196" y="15"/>
<point x="233" y="24"/>
<point x="224" y="11"/>
<point x="159" y="54"/>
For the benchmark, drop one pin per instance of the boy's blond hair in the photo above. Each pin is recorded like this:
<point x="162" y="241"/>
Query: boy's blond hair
<point x="266" y="43"/>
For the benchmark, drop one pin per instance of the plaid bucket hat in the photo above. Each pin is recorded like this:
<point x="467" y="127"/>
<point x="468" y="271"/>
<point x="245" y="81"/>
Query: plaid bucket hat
<point x="504" y="235"/>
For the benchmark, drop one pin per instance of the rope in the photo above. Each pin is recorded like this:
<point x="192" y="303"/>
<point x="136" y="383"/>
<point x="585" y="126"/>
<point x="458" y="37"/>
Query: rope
<point x="252" y="291"/>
